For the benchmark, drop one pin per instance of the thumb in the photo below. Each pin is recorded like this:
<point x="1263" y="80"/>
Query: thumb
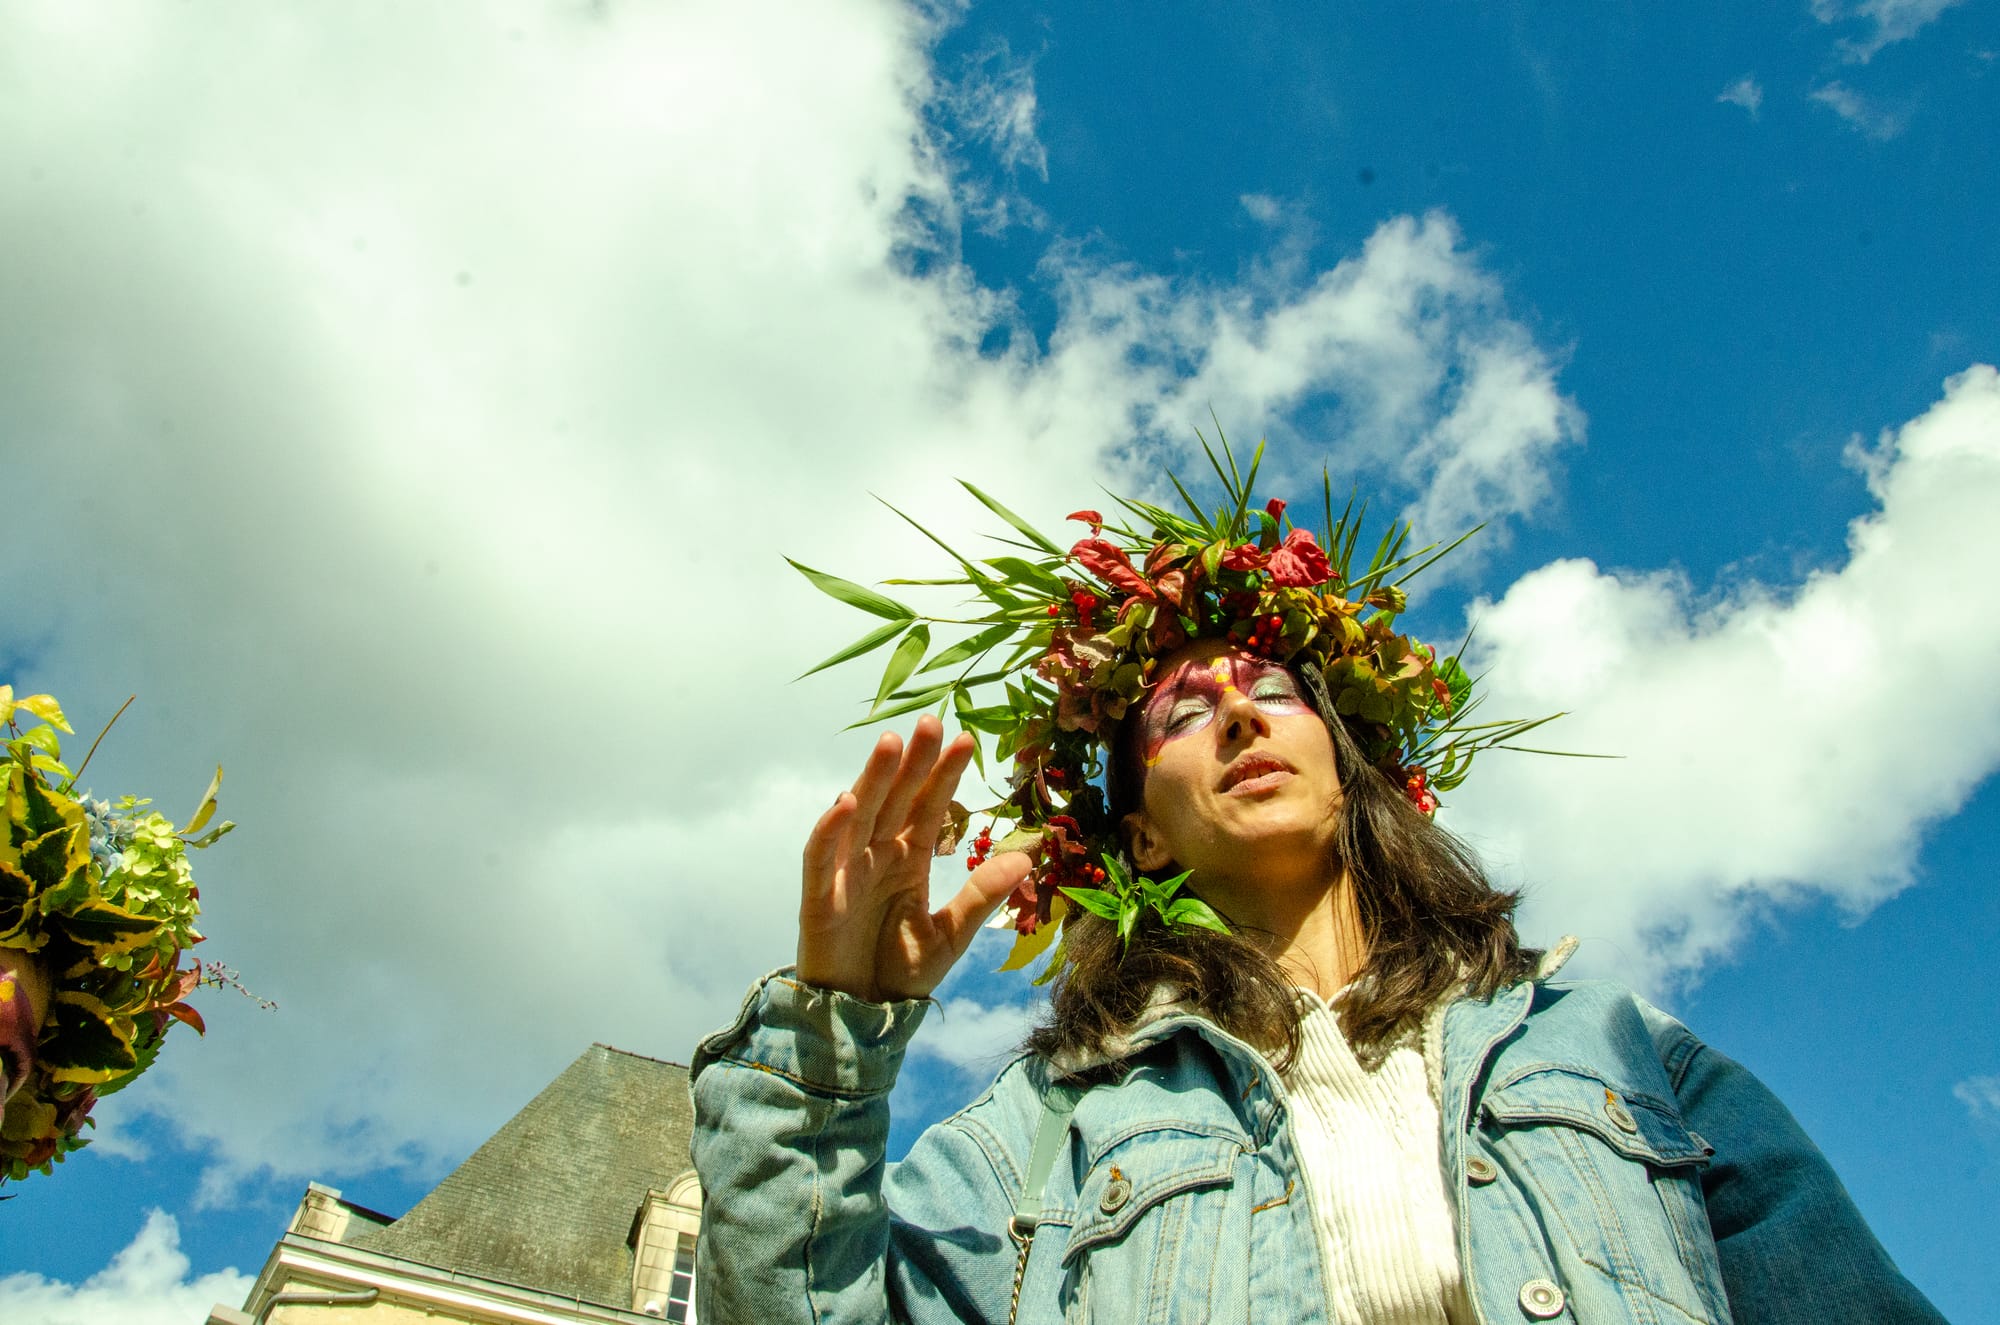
<point x="960" y="918"/>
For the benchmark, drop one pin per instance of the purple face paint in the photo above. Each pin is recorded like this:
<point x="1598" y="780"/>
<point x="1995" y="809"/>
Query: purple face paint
<point x="1189" y="697"/>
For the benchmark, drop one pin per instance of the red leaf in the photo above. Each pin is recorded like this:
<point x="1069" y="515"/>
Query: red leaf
<point x="1110" y="564"/>
<point x="182" y="1012"/>
<point x="1299" y="563"/>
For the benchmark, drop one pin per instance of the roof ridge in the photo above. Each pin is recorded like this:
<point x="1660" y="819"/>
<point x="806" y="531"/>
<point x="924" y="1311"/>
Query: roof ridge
<point x="668" y="1062"/>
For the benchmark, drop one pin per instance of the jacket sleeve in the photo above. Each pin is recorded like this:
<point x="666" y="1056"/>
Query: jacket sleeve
<point x="790" y="1129"/>
<point x="1792" y="1244"/>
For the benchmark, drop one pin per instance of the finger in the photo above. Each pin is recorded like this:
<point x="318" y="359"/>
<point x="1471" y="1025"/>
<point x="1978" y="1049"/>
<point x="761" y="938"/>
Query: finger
<point x="870" y="789"/>
<point x="822" y="856"/>
<point x="927" y="816"/>
<point x="960" y="918"/>
<point x="918" y="759"/>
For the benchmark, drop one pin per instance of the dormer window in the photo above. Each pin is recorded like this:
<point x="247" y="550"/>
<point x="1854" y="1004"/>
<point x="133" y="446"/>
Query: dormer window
<point x="663" y="1240"/>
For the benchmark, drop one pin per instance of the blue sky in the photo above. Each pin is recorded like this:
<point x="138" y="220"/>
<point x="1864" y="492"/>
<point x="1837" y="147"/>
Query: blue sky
<point x="413" y="409"/>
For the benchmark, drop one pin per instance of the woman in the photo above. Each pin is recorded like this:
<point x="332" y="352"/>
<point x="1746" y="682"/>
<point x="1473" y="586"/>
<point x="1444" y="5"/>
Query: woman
<point x="1361" y="1101"/>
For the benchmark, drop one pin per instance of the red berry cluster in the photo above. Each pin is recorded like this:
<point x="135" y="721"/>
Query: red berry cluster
<point x="1264" y="633"/>
<point x="1420" y="793"/>
<point x="982" y="847"/>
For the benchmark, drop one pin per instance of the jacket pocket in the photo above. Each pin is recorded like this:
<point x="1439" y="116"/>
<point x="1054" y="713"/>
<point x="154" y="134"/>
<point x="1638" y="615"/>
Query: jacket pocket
<point x="1147" y="1212"/>
<point x="1616" y="1175"/>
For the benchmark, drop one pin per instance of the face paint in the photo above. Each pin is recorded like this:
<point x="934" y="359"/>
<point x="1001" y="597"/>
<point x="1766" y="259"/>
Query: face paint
<point x="1188" y="699"/>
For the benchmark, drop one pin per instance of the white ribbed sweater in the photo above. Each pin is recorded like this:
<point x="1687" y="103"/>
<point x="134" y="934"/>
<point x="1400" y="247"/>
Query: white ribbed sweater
<point x="1368" y="1142"/>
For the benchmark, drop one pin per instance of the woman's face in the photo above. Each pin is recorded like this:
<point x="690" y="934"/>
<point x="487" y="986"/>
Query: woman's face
<point x="24" y="1001"/>
<point x="1240" y="780"/>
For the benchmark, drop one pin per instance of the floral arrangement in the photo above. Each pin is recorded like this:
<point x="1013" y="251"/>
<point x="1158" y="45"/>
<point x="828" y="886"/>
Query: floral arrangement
<point x="1073" y="637"/>
<point x="100" y="897"/>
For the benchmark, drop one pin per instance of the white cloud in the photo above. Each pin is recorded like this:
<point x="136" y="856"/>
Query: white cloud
<point x="968" y="1034"/>
<point x="1890" y="21"/>
<point x="1403" y="352"/>
<point x="994" y="101"/>
<point x="1775" y="742"/>
<point x="1261" y="206"/>
<point x="419" y="412"/>
<point x="1866" y="115"/>
<point x="145" y="1284"/>
<point x="1980" y="1096"/>
<point x="1746" y="92"/>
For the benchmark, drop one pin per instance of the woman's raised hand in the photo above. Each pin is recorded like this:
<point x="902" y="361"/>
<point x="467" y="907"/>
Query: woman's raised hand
<point x="866" y="927"/>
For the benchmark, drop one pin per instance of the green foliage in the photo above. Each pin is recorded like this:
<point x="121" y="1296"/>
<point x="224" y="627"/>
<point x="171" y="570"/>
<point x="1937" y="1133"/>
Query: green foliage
<point x="1125" y="899"/>
<point x="102" y="899"/>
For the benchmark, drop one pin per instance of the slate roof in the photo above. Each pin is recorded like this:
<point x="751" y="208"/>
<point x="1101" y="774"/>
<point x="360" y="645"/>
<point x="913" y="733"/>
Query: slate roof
<point x="548" y="1202"/>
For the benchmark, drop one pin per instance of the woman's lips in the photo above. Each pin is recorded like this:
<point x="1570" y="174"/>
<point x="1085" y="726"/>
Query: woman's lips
<point x="1255" y="773"/>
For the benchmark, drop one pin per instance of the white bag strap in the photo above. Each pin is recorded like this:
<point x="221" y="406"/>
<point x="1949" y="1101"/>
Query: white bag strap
<point x="1058" y="1106"/>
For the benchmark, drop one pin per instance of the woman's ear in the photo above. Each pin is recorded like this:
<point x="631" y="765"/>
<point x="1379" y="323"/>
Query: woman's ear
<point x="1148" y="852"/>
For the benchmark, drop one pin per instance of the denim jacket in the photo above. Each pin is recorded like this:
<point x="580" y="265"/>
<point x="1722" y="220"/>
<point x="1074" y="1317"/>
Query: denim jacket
<point x="1606" y="1166"/>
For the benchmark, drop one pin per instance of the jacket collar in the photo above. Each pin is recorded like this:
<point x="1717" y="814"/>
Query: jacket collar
<point x="1457" y="1036"/>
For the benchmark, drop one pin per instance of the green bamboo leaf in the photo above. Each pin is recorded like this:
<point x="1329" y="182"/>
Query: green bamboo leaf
<point x="996" y="720"/>
<point x="868" y="643"/>
<point x="214" y="835"/>
<point x="984" y="583"/>
<point x="854" y="595"/>
<point x="1018" y="570"/>
<point x="973" y="647"/>
<point x="1029" y="531"/>
<point x="898" y="708"/>
<point x="205" y="810"/>
<point x="904" y="661"/>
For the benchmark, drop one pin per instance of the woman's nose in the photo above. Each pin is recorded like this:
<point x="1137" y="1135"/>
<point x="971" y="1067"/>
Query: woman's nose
<point x="1241" y="718"/>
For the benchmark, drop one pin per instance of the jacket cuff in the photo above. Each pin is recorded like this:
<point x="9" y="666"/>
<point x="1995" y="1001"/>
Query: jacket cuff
<point x="824" y="1041"/>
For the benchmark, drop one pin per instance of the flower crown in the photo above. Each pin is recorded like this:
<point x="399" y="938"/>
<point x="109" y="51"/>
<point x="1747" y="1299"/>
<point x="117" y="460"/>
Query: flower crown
<point x="1079" y="633"/>
<point x="102" y="898"/>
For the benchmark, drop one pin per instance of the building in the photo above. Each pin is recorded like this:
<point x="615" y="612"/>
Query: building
<point x="583" y="1207"/>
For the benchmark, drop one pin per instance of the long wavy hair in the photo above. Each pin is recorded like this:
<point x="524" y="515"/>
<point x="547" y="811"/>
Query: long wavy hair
<point x="1432" y="923"/>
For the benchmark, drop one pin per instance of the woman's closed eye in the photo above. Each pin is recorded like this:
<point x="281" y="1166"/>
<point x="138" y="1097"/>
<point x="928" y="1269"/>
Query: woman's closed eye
<point x="1276" y="692"/>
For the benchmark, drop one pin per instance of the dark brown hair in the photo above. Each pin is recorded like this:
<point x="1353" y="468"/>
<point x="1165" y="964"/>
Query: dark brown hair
<point x="1432" y="922"/>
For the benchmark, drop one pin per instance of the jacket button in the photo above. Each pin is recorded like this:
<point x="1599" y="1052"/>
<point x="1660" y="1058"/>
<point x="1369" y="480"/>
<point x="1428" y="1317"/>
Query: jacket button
<point x="1620" y="1116"/>
<point x="1541" y="1299"/>
<point x="1479" y="1170"/>
<point x="1116" y="1193"/>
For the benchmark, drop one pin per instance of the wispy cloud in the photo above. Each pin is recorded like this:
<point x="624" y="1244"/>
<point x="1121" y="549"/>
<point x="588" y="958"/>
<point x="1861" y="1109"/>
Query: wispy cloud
<point x="968" y="1034"/>
<point x="1773" y="744"/>
<point x="994" y="100"/>
<point x="1981" y="1097"/>
<point x="1865" y="115"/>
<point x="1262" y="207"/>
<point x="147" y="1283"/>
<point x="1746" y="92"/>
<point x="1404" y="352"/>
<point x="1890" y="21"/>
